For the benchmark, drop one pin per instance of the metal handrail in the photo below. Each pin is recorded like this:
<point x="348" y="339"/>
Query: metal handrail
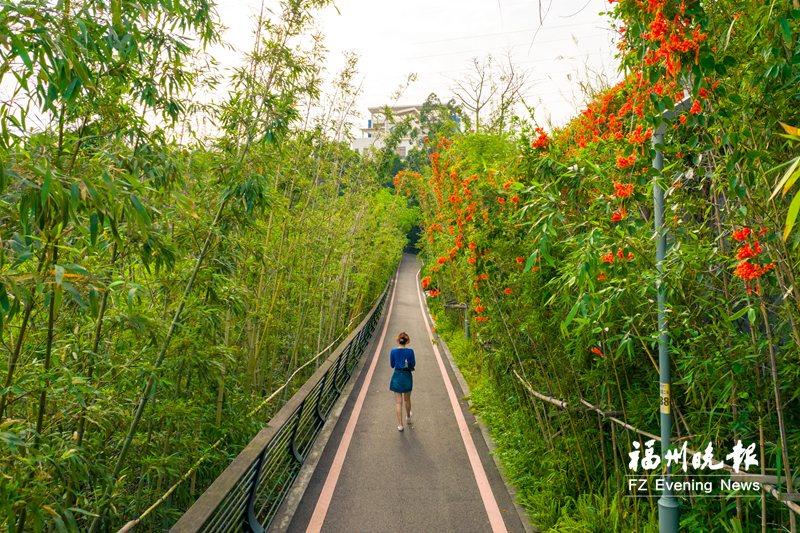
<point x="247" y="494"/>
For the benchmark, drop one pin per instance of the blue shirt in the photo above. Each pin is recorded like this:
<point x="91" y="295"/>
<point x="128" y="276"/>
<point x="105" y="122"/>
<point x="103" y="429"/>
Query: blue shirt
<point x="402" y="358"/>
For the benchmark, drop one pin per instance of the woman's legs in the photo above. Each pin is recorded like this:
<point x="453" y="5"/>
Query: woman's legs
<point x="398" y="408"/>
<point x="407" y="398"/>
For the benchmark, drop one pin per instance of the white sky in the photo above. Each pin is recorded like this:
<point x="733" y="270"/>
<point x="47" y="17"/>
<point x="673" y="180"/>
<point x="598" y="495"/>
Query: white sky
<point x="437" y="40"/>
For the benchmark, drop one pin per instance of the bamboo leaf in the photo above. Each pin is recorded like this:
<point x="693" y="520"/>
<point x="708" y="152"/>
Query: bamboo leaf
<point x="571" y="315"/>
<point x="788" y="179"/>
<point x="45" y="190"/>
<point x="787" y="30"/>
<point x="76" y="269"/>
<point x="738" y="314"/>
<point x="4" y="303"/>
<point x="93" y="227"/>
<point x="140" y="209"/>
<point x="791" y="130"/>
<point x="71" y="89"/>
<point x="529" y="263"/>
<point x="73" y="292"/>
<point x="18" y="47"/>
<point x="59" y="275"/>
<point x="791" y="216"/>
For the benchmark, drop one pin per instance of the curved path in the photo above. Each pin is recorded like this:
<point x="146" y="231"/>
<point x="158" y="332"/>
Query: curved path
<point x="437" y="475"/>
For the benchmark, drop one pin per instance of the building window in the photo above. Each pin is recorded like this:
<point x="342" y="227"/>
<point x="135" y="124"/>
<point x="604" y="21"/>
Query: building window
<point x="401" y="151"/>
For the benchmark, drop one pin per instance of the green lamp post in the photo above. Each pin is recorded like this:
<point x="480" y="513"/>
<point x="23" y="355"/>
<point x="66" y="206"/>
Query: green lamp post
<point x="668" y="512"/>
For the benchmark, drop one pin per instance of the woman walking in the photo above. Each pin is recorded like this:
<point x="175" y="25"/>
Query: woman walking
<point x="402" y="360"/>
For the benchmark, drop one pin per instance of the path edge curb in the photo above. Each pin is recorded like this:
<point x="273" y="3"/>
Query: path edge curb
<point x="487" y="437"/>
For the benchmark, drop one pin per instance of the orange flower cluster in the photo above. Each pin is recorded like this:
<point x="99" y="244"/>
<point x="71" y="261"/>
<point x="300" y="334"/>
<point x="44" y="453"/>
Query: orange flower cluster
<point x="541" y="141"/>
<point x="460" y="208"/>
<point x="672" y="40"/>
<point x="623" y="190"/>
<point x="619" y="214"/>
<point x="610" y="257"/>
<point x="742" y="234"/>
<point x="640" y="135"/>
<point x="748" y="270"/>
<point x="626" y="162"/>
<point x="479" y="310"/>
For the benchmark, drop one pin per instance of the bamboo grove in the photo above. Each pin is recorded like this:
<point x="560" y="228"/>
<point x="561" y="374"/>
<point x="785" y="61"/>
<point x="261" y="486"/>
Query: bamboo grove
<point x="167" y="259"/>
<point x="548" y="239"/>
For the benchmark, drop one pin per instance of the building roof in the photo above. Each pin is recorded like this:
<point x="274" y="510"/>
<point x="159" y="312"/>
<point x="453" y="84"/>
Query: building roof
<point x="396" y="109"/>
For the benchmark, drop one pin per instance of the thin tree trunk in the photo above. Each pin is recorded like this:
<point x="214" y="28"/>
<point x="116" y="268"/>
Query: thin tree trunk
<point x="98" y="329"/>
<point x="51" y="320"/>
<point x="778" y="408"/>
<point x="221" y="383"/>
<point x="12" y="363"/>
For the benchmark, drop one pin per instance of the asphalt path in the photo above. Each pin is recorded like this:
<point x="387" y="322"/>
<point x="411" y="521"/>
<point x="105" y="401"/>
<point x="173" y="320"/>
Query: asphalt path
<point x="436" y="475"/>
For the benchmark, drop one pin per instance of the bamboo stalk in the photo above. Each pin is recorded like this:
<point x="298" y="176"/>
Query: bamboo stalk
<point x="12" y="363"/>
<point x="778" y="406"/>
<point x="95" y="347"/>
<point x="48" y="351"/>
<point x="558" y="403"/>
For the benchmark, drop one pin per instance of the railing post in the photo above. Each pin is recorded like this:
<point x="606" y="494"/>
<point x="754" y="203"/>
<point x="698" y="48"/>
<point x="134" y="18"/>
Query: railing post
<point x="352" y="355"/>
<point x="251" y="519"/>
<point x="317" y="407"/>
<point x="361" y="341"/>
<point x="336" y="370"/>
<point x="292" y="444"/>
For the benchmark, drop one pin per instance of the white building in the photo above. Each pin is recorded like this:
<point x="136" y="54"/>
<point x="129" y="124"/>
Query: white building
<point x="378" y="128"/>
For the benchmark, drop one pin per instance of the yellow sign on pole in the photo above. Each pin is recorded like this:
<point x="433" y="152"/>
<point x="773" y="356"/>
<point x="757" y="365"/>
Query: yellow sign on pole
<point x="665" y="398"/>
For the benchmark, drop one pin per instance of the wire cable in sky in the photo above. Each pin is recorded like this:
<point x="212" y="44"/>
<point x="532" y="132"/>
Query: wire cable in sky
<point x="494" y="34"/>
<point x="504" y="47"/>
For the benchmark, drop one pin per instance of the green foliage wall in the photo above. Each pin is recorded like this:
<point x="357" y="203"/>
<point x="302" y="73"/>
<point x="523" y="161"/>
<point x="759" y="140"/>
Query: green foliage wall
<point x="156" y="285"/>
<point x="548" y="237"/>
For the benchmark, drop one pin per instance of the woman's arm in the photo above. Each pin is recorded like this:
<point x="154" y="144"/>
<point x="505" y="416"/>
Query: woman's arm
<point x="391" y="358"/>
<point x="411" y="362"/>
